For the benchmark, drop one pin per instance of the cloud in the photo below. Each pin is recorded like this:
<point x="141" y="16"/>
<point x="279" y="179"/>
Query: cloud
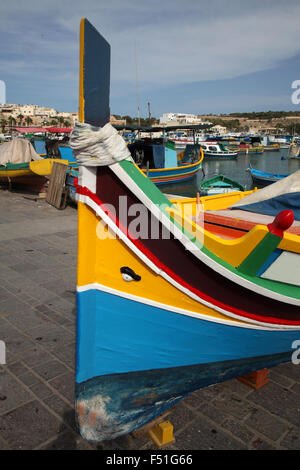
<point x="176" y="42"/>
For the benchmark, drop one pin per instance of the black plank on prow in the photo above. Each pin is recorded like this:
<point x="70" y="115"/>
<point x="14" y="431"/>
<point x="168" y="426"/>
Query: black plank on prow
<point x="96" y="77"/>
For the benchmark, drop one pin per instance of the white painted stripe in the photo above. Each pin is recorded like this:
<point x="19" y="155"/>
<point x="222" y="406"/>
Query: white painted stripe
<point x="145" y="259"/>
<point x="173" y="309"/>
<point x="130" y="183"/>
<point x="87" y="177"/>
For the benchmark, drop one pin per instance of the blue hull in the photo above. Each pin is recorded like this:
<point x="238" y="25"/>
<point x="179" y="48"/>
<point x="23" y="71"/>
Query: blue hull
<point x="135" y="360"/>
<point x="219" y="157"/>
<point x="71" y="175"/>
<point x="126" y="402"/>
<point x="262" y="178"/>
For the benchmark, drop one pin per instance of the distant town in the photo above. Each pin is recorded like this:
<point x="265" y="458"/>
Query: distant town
<point x="270" y="122"/>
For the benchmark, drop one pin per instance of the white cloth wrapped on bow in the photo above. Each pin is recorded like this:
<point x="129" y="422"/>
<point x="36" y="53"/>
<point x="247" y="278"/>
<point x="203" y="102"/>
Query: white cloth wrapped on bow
<point x="97" y="146"/>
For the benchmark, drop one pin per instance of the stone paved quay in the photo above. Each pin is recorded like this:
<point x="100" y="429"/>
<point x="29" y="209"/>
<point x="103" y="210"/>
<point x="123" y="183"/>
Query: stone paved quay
<point x="37" y="323"/>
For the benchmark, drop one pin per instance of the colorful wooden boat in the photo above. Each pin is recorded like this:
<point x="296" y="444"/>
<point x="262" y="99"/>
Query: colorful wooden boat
<point x="216" y="150"/>
<point x="272" y="148"/>
<point x="219" y="184"/>
<point x="246" y="149"/>
<point x="176" y="175"/>
<point x="161" y="164"/>
<point x="185" y="170"/>
<point x="219" y="214"/>
<point x="31" y="175"/>
<point x="164" y="307"/>
<point x="264" y="178"/>
<point x="181" y="141"/>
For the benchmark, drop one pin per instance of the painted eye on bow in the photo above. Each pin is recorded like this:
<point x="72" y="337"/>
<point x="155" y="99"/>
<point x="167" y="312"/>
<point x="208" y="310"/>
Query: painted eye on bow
<point x="129" y="275"/>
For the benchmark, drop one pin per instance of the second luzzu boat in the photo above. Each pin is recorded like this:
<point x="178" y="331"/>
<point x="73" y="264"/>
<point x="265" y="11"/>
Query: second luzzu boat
<point x="20" y="165"/>
<point x="161" y="314"/>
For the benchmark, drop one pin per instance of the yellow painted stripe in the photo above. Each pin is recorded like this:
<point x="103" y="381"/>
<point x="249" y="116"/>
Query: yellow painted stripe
<point x="166" y="177"/>
<point x="232" y="251"/>
<point x="100" y="257"/>
<point x="81" y="71"/>
<point x="192" y="165"/>
<point x="215" y="202"/>
<point x="15" y="173"/>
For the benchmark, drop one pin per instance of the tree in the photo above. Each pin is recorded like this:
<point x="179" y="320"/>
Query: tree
<point x="11" y="121"/>
<point x="61" y="120"/>
<point x="67" y="123"/>
<point x="128" y="119"/>
<point x="20" y="117"/>
<point x="28" y="120"/>
<point x="3" y="123"/>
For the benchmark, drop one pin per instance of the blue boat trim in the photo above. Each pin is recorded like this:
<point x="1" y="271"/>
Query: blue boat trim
<point x="273" y="257"/>
<point x="263" y="178"/>
<point x="148" y="337"/>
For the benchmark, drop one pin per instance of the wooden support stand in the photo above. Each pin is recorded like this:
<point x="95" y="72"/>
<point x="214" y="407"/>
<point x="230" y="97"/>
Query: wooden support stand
<point x="162" y="434"/>
<point x="57" y="194"/>
<point x="256" y="379"/>
<point x="159" y="431"/>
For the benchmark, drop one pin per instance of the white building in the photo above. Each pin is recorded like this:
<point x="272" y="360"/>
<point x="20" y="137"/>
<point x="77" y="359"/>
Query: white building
<point x="220" y="130"/>
<point x="179" y="118"/>
<point x="41" y="113"/>
<point x="45" y="112"/>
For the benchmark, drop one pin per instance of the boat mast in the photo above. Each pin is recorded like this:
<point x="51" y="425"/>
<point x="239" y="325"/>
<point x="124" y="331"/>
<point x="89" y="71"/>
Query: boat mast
<point x="137" y="88"/>
<point x="149" y="114"/>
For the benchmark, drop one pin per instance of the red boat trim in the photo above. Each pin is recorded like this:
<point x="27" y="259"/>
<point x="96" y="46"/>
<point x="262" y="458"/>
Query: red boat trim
<point x="274" y="311"/>
<point x="239" y="224"/>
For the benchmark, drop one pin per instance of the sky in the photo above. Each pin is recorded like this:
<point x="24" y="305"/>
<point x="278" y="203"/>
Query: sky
<point x="192" y="56"/>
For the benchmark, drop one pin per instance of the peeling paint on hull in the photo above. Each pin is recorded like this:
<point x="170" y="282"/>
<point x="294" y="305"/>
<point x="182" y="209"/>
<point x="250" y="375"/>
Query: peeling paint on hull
<point x="114" y="405"/>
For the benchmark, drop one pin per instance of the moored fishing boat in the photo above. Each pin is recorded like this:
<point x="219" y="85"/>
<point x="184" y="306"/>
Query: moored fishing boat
<point x="272" y="148"/>
<point x="171" y="309"/>
<point x="161" y="164"/>
<point x="264" y="178"/>
<point x="247" y="149"/>
<point x="216" y="150"/>
<point x="232" y="215"/>
<point x="20" y="165"/>
<point x="219" y="184"/>
<point x="157" y="162"/>
<point x="181" y="141"/>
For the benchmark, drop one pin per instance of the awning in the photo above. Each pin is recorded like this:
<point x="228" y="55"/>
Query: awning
<point x="31" y="130"/>
<point x="60" y="130"/>
<point x="43" y="130"/>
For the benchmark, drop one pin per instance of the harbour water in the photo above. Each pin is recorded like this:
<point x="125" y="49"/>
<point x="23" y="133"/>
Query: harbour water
<point x="274" y="162"/>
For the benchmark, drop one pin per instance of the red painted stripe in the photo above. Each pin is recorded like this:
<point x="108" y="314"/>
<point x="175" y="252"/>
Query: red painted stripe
<point x="237" y="223"/>
<point x="140" y="246"/>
